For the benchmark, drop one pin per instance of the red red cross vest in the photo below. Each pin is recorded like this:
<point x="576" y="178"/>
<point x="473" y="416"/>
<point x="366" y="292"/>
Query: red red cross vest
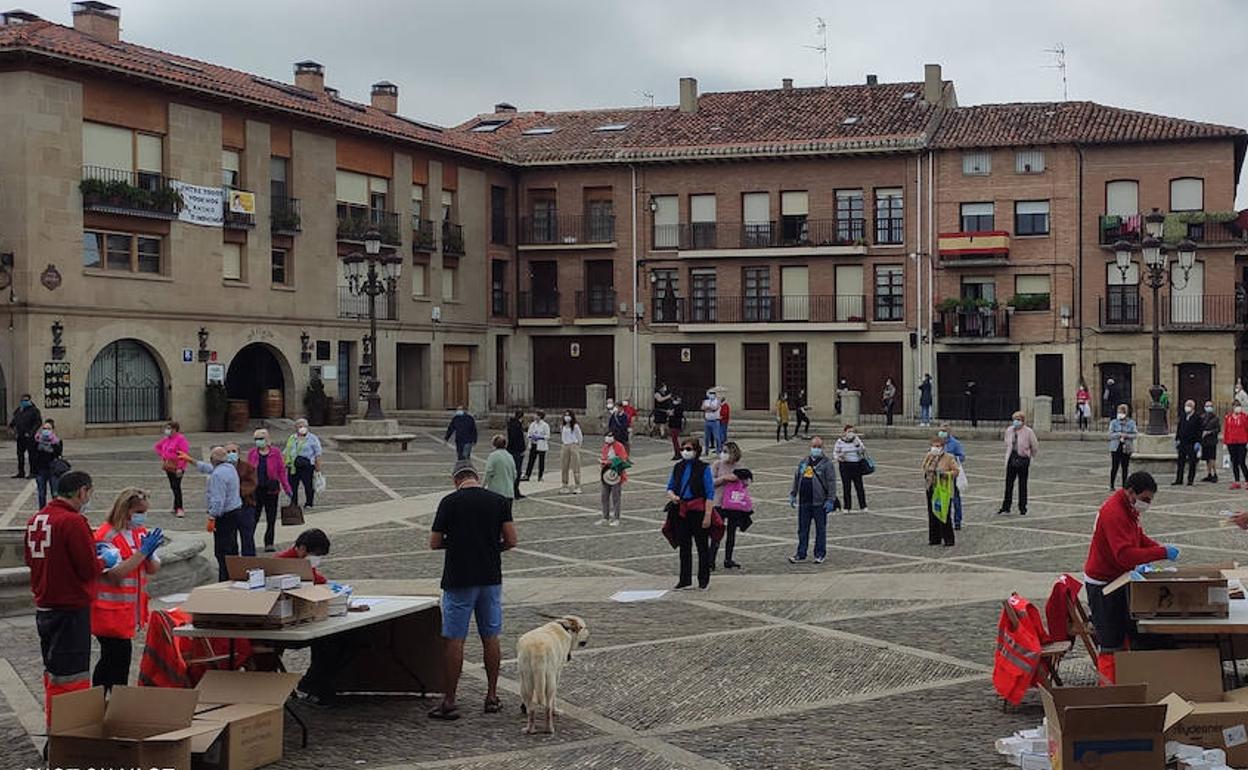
<point x="1017" y="657"/>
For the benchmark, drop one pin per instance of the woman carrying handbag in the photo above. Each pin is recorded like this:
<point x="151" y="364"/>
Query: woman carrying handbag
<point x="1122" y="434"/>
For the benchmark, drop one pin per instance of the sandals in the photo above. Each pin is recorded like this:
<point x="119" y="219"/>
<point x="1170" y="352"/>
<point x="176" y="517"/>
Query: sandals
<point x="493" y="706"/>
<point x="444" y="714"/>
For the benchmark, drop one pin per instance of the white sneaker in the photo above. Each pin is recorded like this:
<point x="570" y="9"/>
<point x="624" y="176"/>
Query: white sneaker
<point x="615" y="522"/>
<point x="864" y="510"/>
<point x="577" y="491"/>
<point x="565" y="491"/>
<point x="600" y="522"/>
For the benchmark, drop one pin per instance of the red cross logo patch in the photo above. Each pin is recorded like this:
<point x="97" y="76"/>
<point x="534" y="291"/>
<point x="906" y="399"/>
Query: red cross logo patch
<point x="39" y="536"/>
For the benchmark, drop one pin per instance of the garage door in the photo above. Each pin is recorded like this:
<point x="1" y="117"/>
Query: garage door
<point x="688" y="370"/>
<point x="563" y="366"/>
<point x="996" y="380"/>
<point x="866" y="365"/>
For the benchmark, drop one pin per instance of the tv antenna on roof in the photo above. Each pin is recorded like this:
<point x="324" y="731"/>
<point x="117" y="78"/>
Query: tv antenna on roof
<point x="647" y="95"/>
<point x="821" y="29"/>
<point x="1059" y="56"/>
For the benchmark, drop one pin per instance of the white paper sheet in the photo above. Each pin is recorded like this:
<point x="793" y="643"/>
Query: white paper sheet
<point x="636" y="596"/>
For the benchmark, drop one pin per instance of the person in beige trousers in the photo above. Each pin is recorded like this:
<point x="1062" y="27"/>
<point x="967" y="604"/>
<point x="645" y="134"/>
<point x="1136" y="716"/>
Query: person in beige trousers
<point x="569" y="453"/>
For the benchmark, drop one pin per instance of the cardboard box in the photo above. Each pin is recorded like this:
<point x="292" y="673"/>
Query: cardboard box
<point x="238" y="566"/>
<point x="247" y="709"/>
<point x="1217" y="719"/>
<point x="220" y="606"/>
<point x="137" y="727"/>
<point x="281" y="582"/>
<point x="1199" y="591"/>
<point x="1107" y="728"/>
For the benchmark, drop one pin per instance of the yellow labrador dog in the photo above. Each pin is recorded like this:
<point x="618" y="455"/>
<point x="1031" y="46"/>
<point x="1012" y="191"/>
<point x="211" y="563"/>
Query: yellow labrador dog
<point x="542" y="653"/>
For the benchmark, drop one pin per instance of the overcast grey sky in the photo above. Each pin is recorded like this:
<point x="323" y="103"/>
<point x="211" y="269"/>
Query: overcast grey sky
<point x="455" y="58"/>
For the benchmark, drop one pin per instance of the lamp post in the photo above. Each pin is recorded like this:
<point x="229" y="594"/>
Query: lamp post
<point x="1156" y="273"/>
<point x="364" y="280"/>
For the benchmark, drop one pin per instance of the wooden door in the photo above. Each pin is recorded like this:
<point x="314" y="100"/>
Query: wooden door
<point x="1049" y="380"/>
<point x="996" y="384"/>
<point x="865" y="366"/>
<point x="456" y="371"/>
<point x="564" y="364"/>
<point x="687" y="370"/>
<point x="1196" y="383"/>
<point x="757" y="375"/>
<point x="793" y="368"/>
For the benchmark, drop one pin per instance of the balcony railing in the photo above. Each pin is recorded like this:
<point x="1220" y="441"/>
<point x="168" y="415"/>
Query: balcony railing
<point x="1216" y="232"/>
<point x="236" y="220"/>
<point x="1119" y="310"/>
<point x="285" y="218"/>
<point x="355" y="306"/>
<point x="422" y="235"/>
<point x="355" y="220"/>
<point x="133" y="193"/>
<point x="560" y="230"/>
<point x="596" y="303"/>
<point x="698" y="236"/>
<point x="537" y="305"/>
<point x="1131" y="229"/>
<point x="1116" y="228"/>
<point x="979" y="323"/>
<point x="453" y="239"/>
<point x="499" y="302"/>
<point x="840" y="308"/>
<point x="1201" y="311"/>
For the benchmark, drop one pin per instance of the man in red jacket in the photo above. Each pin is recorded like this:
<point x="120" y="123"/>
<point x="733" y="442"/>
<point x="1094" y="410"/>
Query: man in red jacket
<point x="60" y="551"/>
<point x="1119" y="545"/>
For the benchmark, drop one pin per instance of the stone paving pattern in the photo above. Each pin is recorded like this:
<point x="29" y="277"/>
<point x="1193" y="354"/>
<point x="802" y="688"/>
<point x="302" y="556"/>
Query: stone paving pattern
<point x="880" y="657"/>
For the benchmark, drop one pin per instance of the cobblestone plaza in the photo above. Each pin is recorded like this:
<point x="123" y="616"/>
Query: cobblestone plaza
<point x="880" y="657"/>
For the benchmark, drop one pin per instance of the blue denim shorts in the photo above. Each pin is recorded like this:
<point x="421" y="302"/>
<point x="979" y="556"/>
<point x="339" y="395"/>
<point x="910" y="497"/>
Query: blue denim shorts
<point x="460" y="604"/>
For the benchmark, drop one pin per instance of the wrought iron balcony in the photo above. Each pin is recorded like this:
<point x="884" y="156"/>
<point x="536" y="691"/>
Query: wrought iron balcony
<point x="285" y="218"/>
<point x="131" y="193"/>
<point x="355" y="220"/>
<point x="567" y="230"/>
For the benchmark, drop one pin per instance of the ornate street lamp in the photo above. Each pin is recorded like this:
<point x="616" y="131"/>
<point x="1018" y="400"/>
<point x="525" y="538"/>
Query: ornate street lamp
<point x="364" y="279"/>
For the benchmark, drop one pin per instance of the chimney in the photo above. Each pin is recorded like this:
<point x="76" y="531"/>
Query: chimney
<point x="99" y="20"/>
<point x="386" y="97"/>
<point x="504" y="107"/>
<point x="933" y="86"/>
<point x="310" y="76"/>
<point x="688" y="94"/>
<point x="16" y="16"/>
<point x="787" y="84"/>
<point x="873" y="80"/>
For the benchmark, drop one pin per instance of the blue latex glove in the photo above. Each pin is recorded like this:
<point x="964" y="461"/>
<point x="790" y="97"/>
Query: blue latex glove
<point x="151" y="542"/>
<point x="108" y="555"/>
<point x="1172" y="553"/>
<point x="792" y="501"/>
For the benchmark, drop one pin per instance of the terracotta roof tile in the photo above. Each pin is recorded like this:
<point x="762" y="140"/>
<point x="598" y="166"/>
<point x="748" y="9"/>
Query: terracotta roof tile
<point x="1033" y="123"/>
<point x="54" y="40"/>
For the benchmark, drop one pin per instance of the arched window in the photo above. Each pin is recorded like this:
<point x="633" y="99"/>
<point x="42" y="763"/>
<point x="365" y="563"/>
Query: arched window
<point x="125" y="385"/>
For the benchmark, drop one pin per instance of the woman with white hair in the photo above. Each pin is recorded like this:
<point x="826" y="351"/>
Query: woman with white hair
<point x="303" y="457"/>
<point x="271" y="481"/>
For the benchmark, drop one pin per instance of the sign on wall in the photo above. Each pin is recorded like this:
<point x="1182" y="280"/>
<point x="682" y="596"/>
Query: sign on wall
<point x="214" y="373"/>
<point x="188" y="356"/>
<point x="56" y="384"/>
<point x="574" y="350"/>
<point x="242" y="202"/>
<point x="200" y="205"/>
<point x="686" y="355"/>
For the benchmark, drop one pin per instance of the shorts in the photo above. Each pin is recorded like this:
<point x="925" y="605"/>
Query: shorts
<point x="460" y="604"/>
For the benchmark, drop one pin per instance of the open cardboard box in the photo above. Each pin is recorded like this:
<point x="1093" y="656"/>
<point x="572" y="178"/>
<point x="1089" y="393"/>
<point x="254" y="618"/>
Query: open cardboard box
<point x="246" y="709"/>
<point x="136" y="727"/>
<point x="1217" y="719"/>
<point x="1192" y="591"/>
<point x="1108" y="728"/>
<point x="237" y="566"/>
<point x="220" y="606"/>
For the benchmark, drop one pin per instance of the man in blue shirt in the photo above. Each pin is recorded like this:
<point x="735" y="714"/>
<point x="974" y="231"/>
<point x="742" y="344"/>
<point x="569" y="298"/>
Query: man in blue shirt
<point x="953" y="447"/>
<point x="225" y="505"/>
<point x="813" y="494"/>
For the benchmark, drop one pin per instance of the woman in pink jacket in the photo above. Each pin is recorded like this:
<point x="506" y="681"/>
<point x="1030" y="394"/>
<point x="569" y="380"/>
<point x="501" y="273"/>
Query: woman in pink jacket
<point x="271" y="480"/>
<point x="170" y="449"/>
<point x="1021" y="447"/>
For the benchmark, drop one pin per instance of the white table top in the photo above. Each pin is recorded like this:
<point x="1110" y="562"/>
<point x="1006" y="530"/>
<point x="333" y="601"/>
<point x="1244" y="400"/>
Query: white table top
<point x="1236" y="623"/>
<point x="383" y="608"/>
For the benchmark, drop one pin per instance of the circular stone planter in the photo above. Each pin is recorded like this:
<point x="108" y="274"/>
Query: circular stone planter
<point x="182" y="567"/>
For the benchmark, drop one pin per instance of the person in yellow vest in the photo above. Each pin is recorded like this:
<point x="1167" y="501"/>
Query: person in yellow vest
<point x="128" y="553"/>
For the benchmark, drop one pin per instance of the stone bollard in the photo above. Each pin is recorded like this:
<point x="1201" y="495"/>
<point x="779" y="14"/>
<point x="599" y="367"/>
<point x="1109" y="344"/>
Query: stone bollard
<point x="1042" y="414"/>
<point x="596" y="406"/>
<point x="851" y="408"/>
<point x="479" y="398"/>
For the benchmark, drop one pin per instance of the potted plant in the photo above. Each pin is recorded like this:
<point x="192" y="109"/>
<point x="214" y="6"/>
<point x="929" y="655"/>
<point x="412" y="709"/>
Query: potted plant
<point x="315" y="402"/>
<point x="947" y="305"/>
<point x="216" y="404"/>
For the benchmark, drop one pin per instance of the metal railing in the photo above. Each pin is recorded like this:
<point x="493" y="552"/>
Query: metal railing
<point x="422" y="235"/>
<point x="537" y="305"/>
<point x="596" y="303"/>
<point x="116" y="403"/>
<point x="355" y="220"/>
<point x="499" y="303"/>
<point x="1131" y="229"/>
<point x="1201" y="311"/>
<point x="355" y="306"/>
<point x="1119" y="310"/>
<point x="839" y="308"/>
<point x="791" y="232"/>
<point x="453" y="239"/>
<point x="235" y="220"/>
<point x="1216" y="232"/>
<point x="557" y="229"/>
<point x="285" y="217"/>
<point x="144" y="193"/>
<point x="978" y="323"/>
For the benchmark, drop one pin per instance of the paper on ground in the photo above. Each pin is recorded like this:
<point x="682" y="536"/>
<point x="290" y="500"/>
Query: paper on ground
<point x="174" y="598"/>
<point x="636" y="596"/>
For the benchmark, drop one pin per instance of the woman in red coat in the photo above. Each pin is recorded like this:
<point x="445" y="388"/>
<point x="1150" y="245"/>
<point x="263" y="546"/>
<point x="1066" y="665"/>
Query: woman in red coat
<point x="1235" y="436"/>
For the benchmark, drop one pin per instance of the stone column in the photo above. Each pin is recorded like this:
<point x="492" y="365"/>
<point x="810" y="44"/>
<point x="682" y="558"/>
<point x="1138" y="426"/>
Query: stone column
<point x="1042" y="414"/>
<point x="479" y="398"/>
<point x="596" y="406"/>
<point x="851" y="407"/>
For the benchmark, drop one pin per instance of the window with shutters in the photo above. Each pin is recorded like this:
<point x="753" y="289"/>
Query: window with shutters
<point x="1122" y="198"/>
<point x="977" y="217"/>
<point x="1031" y="292"/>
<point x="665" y="222"/>
<point x="794" y="217"/>
<point x="232" y="266"/>
<point x="1187" y="194"/>
<point x="756" y="227"/>
<point x="231" y="173"/>
<point x="450" y="279"/>
<point x="977" y="163"/>
<point x="1122" y="295"/>
<point x="279" y="169"/>
<point x="849" y="293"/>
<point x="850" y="216"/>
<point x="665" y="290"/>
<point x="889" y="293"/>
<point x="1031" y="218"/>
<point x="279" y="267"/>
<point x="702" y="300"/>
<point x="420" y="275"/>
<point x="1029" y="162"/>
<point x="756" y="287"/>
<point x="889" y="222"/>
<point x="112" y="153"/>
<point x="702" y="225"/>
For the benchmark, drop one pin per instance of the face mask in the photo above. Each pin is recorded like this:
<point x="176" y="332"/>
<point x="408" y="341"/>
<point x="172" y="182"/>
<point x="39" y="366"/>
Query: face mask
<point x="46" y="433"/>
<point x="567" y="420"/>
<point x="816" y="451"/>
<point x="168" y="431"/>
<point x="609" y="440"/>
<point x="1140" y="506"/>
<point x="86" y="506"/>
<point x="314" y="560"/>
<point x="261" y="442"/>
<point x="1189" y="409"/>
<point x="138" y="519"/>
<point x="25" y="402"/>
<point x="459" y="412"/>
<point x="303" y="431"/>
<point x="849" y="435"/>
<point x="1209" y="409"/>
<point x="942" y="433"/>
<point x="231" y="457"/>
<point x="1122" y="415"/>
<point x="688" y="454"/>
<point x="723" y="456"/>
<point x="610" y="405"/>
<point x="934" y="450"/>
<point x="1017" y="423"/>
